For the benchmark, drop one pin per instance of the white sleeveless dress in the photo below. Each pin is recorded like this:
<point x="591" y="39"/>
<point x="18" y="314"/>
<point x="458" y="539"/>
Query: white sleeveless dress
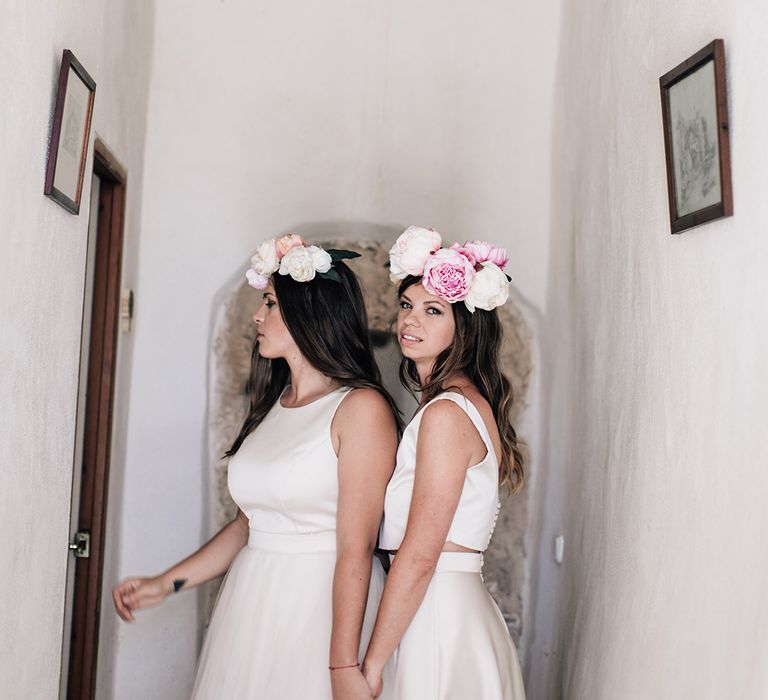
<point x="270" y="633"/>
<point x="458" y="646"/>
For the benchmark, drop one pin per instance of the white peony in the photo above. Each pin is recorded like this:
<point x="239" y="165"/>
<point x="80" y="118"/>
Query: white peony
<point x="320" y="259"/>
<point x="411" y="250"/>
<point x="265" y="262"/>
<point x="489" y="288"/>
<point x="298" y="263"/>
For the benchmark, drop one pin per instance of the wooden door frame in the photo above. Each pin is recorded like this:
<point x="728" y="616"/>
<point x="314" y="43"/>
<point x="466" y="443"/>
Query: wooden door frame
<point x="83" y="653"/>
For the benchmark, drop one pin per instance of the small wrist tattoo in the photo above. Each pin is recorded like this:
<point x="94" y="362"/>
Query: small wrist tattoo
<point x="178" y="584"/>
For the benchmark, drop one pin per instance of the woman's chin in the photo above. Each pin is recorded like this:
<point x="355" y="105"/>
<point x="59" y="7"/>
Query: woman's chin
<point x="411" y="352"/>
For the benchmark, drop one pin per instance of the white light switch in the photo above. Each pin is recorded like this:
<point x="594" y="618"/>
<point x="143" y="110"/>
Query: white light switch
<point x="559" y="549"/>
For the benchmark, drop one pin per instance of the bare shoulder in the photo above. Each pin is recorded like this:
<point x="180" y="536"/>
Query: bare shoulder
<point x="363" y="406"/>
<point x="444" y="417"/>
<point x="365" y="399"/>
<point x="446" y="437"/>
<point x="473" y="394"/>
<point x="446" y="424"/>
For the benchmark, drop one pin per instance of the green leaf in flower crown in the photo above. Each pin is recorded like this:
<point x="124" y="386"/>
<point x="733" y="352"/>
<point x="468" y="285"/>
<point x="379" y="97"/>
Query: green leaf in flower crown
<point x="330" y="275"/>
<point x="341" y="254"/>
<point x="509" y="279"/>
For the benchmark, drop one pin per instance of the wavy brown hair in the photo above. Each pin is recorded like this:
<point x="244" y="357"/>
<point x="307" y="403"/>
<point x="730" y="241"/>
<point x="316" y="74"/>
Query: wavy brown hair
<point x="328" y="321"/>
<point x="474" y="353"/>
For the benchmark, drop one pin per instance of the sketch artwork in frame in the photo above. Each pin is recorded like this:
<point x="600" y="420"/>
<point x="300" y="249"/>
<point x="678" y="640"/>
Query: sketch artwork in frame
<point x="70" y="133"/>
<point x="694" y="105"/>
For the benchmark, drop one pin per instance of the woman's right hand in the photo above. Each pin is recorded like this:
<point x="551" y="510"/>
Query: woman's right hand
<point x="137" y="594"/>
<point x="210" y="561"/>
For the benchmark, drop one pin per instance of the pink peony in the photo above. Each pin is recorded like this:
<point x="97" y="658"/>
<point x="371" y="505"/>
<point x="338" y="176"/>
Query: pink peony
<point x="466" y="252"/>
<point x="485" y="252"/>
<point x="448" y="275"/>
<point x="285" y="243"/>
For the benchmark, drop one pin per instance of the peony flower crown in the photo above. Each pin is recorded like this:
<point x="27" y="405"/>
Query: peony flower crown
<point x="289" y="256"/>
<point x="472" y="272"/>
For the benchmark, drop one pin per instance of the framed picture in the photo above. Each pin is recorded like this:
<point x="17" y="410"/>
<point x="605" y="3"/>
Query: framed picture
<point x="69" y="135"/>
<point x="694" y="106"/>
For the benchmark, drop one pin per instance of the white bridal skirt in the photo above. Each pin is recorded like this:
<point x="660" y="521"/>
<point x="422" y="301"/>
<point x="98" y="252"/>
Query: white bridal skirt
<point x="270" y="633"/>
<point x="457" y="646"/>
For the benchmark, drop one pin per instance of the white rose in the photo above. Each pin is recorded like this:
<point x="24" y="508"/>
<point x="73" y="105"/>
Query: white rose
<point x="265" y="261"/>
<point x="489" y="289"/>
<point x="411" y="250"/>
<point x="297" y="263"/>
<point x="320" y="259"/>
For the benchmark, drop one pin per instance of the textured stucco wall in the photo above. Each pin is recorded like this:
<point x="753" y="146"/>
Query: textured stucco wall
<point x="655" y="371"/>
<point x="41" y="295"/>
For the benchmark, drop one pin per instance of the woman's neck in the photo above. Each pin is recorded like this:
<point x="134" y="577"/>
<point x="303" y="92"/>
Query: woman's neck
<point x="307" y="383"/>
<point x="456" y="381"/>
<point x="424" y="370"/>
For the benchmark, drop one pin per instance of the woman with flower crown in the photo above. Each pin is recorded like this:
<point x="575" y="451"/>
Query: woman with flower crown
<point x="308" y="471"/>
<point x="436" y="619"/>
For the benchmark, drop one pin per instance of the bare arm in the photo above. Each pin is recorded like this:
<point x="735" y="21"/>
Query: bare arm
<point x="208" y="562"/>
<point x="445" y="444"/>
<point x="367" y="442"/>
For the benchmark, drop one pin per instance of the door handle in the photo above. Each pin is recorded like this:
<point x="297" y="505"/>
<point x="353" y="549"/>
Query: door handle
<point x="81" y="547"/>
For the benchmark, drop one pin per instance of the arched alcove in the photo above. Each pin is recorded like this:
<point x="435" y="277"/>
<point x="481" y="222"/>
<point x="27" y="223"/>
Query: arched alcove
<point x="229" y="364"/>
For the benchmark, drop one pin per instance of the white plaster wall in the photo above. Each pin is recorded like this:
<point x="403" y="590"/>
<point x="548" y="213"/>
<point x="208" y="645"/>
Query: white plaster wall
<point x="656" y="372"/>
<point x="270" y="116"/>
<point x="41" y="290"/>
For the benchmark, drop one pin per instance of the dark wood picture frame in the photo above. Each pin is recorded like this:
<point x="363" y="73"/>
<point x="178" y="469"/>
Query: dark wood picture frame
<point x="715" y="147"/>
<point x="67" y="115"/>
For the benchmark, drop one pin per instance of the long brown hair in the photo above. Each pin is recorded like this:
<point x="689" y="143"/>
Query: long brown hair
<point x="328" y="321"/>
<point x="474" y="353"/>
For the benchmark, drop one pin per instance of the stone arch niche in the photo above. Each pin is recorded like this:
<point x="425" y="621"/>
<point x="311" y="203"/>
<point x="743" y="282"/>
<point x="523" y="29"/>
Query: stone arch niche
<point x="229" y="365"/>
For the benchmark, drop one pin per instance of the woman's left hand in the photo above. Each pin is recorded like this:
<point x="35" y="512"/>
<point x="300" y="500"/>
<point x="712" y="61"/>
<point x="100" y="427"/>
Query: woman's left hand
<point x="349" y="684"/>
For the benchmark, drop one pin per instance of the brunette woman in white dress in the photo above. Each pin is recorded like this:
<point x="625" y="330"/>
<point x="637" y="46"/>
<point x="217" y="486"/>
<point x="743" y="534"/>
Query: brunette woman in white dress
<point x="308" y="471"/>
<point x="436" y="619"/>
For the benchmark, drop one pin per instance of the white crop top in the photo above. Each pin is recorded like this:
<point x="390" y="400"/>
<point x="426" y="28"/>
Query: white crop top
<point x="478" y="508"/>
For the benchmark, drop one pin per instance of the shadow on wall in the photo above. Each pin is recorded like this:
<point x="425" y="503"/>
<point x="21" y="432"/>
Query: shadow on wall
<point x="232" y="339"/>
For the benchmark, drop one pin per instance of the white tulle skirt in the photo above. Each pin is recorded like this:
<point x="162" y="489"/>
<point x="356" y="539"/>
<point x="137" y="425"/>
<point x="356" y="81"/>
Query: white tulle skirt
<point x="457" y="647"/>
<point x="270" y="633"/>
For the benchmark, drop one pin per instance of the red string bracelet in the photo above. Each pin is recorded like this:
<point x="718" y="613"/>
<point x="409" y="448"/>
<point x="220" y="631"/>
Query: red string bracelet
<point x="336" y="668"/>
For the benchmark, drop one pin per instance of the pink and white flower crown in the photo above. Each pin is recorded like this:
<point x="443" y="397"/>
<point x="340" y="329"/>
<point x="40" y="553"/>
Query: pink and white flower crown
<point x="472" y="272"/>
<point x="288" y="255"/>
